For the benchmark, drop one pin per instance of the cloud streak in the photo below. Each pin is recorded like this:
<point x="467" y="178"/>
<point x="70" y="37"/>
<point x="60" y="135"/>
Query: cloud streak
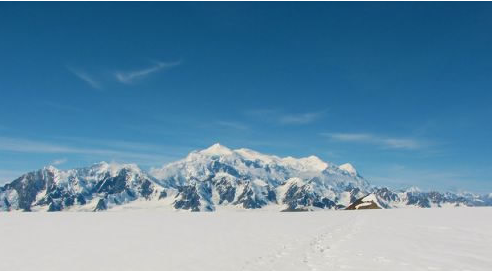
<point x="59" y="161"/>
<point x="280" y="117"/>
<point x="130" y="76"/>
<point x="31" y="146"/>
<point x="86" y="78"/>
<point x="303" y="118"/>
<point x="233" y="125"/>
<point x="386" y="142"/>
<point x="401" y="177"/>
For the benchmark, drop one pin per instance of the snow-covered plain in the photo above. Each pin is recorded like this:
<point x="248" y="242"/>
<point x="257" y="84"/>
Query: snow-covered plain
<point x="398" y="239"/>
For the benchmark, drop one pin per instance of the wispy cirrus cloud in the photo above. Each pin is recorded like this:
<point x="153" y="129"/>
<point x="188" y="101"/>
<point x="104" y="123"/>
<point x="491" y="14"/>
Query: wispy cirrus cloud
<point x="383" y="141"/>
<point x="303" y="118"/>
<point x="130" y="76"/>
<point x="285" y="118"/>
<point x="59" y="161"/>
<point x="125" y="151"/>
<point x="404" y="176"/>
<point x="233" y="125"/>
<point x="86" y="78"/>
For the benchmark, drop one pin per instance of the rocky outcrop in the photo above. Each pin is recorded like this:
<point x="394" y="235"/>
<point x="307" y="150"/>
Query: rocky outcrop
<point x="368" y="202"/>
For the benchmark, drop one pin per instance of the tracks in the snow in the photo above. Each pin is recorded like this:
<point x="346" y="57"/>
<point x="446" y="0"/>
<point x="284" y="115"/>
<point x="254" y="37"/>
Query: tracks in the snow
<point x="312" y="252"/>
<point x="322" y="251"/>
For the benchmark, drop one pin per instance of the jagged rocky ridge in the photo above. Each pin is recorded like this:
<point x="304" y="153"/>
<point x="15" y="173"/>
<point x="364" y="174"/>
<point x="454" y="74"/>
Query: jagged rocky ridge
<point x="214" y="178"/>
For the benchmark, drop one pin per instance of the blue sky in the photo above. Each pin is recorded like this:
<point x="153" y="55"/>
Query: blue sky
<point x="400" y="90"/>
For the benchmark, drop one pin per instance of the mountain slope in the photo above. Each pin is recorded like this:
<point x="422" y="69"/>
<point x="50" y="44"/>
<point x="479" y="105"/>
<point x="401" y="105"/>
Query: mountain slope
<point x="243" y="177"/>
<point x="92" y="188"/>
<point x="216" y="177"/>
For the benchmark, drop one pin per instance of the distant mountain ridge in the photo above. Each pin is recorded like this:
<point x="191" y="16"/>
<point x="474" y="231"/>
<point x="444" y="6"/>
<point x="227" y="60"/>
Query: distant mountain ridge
<point x="213" y="178"/>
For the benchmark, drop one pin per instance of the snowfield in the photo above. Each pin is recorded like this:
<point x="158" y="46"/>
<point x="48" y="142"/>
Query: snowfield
<point x="397" y="239"/>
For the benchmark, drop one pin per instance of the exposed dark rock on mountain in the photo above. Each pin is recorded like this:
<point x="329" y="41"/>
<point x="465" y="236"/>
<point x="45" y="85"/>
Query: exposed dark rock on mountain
<point x="188" y="198"/>
<point x="300" y="197"/>
<point x="367" y="202"/>
<point x="28" y="186"/>
<point x="101" y="205"/>
<point x="215" y="177"/>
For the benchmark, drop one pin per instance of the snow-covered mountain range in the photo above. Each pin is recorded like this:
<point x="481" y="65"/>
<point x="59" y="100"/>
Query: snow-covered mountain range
<point x="214" y="178"/>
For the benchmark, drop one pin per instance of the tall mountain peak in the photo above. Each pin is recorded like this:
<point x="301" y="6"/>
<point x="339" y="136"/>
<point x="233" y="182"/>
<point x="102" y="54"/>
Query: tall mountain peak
<point x="349" y="168"/>
<point x="214" y="178"/>
<point x="216" y="149"/>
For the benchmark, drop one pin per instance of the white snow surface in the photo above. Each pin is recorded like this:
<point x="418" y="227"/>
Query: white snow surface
<point x="255" y="165"/>
<point x="369" y="198"/>
<point x="349" y="168"/>
<point x="403" y="239"/>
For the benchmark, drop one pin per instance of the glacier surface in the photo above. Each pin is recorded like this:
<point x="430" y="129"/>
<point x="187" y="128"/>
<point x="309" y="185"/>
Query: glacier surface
<point x="453" y="239"/>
